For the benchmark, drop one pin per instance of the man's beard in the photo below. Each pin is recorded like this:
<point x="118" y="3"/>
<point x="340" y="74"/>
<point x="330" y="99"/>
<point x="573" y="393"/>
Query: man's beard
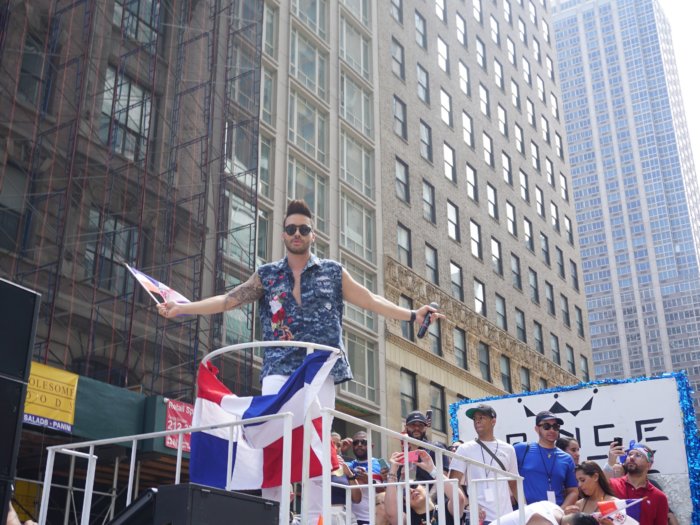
<point x="361" y="458"/>
<point x="297" y="250"/>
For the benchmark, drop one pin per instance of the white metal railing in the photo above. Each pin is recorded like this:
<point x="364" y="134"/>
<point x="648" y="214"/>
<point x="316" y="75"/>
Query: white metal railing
<point x="76" y="451"/>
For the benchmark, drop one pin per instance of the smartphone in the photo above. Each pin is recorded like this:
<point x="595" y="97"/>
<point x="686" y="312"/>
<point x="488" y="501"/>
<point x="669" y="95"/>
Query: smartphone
<point x="383" y="464"/>
<point x="617" y="441"/>
<point x="413" y="456"/>
<point x="429" y="417"/>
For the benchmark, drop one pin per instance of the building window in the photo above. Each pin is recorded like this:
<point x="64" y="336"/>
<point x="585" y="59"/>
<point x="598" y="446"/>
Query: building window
<point x="479" y="297"/>
<point x="357" y="165"/>
<point x="569" y="229"/>
<point x="428" y="202"/>
<point x="406" y="326"/>
<point x="403" y="191"/>
<point x="495" y="34"/>
<point x="435" y="338"/>
<point x="511" y="220"/>
<point x="524" y="186"/>
<point x="527" y="234"/>
<point x="520" y="329"/>
<point x="362" y="354"/>
<point x="507" y="12"/>
<point x="459" y="337"/>
<point x="510" y="47"/>
<point x="36" y="73"/>
<point x="475" y="234"/>
<point x="366" y="318"/>
<point x="140" y="21"/>
<point x="396" y="10"/>
<point x="361" y="9"/>
<point x="515" y="271"/>
<point x="519" y="140"/>
<point x="492" y="198"/>
<point x="554" y="105"/>
<point x="534" y="287"/>
<point x="446" y="107"/>
<point x="437" y="404"/>
<point x="314" y="14"/>
<point x="476" y="10"/>
<point x="539" y="337"/>
<point x="558" y="146"/>
<point x="498" y="74"/>
<point x="400" y="126"/>
<point x="561" y="269"/>
<point x="585" y="376"/>
<point x="110" y="242"/>
<point x="535" y="156"/>
<point x="467" y="129"/>
<point x="579" y="321"/>
<point x="515" y="94"/>
<point x="501" y="314"/>
<point x="539" y="201"/>
<point x="443" y="55"/>
<point x="564" y="305"/>
<point x="431" y="264"/>
<point x="570" y="361"/>
<point x="496" y="257"/>
<point x="522" y="31"/>
<point x="456" y="285"/>
<point x="453" y="222"/>
<point x="488" y="149"/>
<point x="527" y="75"/>
<point x="554" y="343"/>
<point x="461" y="25"/>
<point x="125" y="124"/>
<point x="448" y="155"/>
<point x="505" y="374"/>
<point x="304" y="183"/>
<point x="464" y="78"/>
<point x="549" y="298"/>
<point x="307" y="64"/>
<point x="426" y="141"/>
<point x="357" y="228"/>
<point x="397" y="59"/>
<point x="544" y="126"/>
<point x="544" y="244"/>
<point x="404" y="245"/>
<point x="524" y="379"/>
<point x="484" y="361"/>
<point x="440" y="10"/>
<point x="573" y="270"/>
<point x="409" y="395"/>
<point x="267" y="153"/>
<point x="356" y="105"/>
<point x="480" y="53"/>
<point x="554" y="215"/>
<point x="421" y="33"/>
<point x="270" y="30"/>
<point x="267" y="98"/>
<point x="536" y="50"/>
<point x="307" y="127"/>
<point x="549" y="64"/>
<point x="355" y="49"/>
<point x="263" y="233"/>
<point x="423" y="84"/>
<point x="484" y="103"/>
<point x="507" y="168"/>
<point x="502" y="120"/>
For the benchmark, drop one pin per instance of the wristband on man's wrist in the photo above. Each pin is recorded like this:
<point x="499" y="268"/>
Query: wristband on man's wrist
<point x="413" y="316"/>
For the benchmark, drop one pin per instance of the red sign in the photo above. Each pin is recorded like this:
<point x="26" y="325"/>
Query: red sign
<point x="178" y="415"/>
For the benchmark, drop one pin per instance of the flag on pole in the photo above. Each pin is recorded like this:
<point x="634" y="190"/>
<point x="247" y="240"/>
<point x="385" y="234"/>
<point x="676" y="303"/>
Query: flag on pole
<point x="152" y="286"/>
<point x="257" y="450"/>
<point x="621" y="511"/>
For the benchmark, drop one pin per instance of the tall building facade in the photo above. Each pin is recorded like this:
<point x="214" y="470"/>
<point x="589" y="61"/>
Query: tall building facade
<point x="634" y="185"/>
<point x="478" y="211"/>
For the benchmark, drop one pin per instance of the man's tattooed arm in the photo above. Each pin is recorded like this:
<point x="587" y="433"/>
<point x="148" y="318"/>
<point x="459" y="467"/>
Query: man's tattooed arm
<point x="245" y="293"/>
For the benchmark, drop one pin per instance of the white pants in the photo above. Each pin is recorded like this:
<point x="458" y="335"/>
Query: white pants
<point x="271" y="385"/>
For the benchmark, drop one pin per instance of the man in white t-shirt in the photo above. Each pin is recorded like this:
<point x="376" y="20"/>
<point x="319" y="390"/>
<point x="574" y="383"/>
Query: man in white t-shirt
<point x="494" y="497"/>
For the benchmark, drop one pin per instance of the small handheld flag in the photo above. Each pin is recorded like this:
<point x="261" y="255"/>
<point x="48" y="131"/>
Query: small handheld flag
<point x="153" y="286"/>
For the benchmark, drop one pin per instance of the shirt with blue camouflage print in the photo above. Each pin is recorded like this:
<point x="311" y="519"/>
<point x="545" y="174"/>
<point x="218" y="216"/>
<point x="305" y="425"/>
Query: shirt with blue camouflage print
<point x="318" y="319"/>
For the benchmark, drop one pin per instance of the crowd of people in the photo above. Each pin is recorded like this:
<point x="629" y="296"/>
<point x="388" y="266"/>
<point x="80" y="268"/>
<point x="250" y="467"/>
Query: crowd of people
<point x="559" y="489"/>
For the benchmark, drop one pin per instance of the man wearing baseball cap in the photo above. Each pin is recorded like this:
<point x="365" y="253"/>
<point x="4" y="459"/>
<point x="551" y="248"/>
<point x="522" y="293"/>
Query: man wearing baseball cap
<point x="635" y="484"/>
<point x="494" y="497"/>
<point x="416" y="426"/>
<point x="550" y="473"/>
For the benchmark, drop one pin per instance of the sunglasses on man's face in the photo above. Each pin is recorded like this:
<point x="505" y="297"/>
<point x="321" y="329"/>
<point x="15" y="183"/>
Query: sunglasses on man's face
<point x="358" y="442"/>
<point x="291" y="229"/>
<point x="550" y="426"/>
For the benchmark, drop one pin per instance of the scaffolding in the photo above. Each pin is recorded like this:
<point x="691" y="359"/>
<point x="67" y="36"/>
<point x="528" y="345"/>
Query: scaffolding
<point x="118" y="126"/>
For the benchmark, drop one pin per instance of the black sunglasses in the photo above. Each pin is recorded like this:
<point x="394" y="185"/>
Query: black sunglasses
<point x="550" y="426"/>
<point x="291" y="229"/>
<point x="357" y="442"/>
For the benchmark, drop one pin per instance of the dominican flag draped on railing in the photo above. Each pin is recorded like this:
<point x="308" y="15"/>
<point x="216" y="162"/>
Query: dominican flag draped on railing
<point x="257" y="450"/>
<point x="621" y="511"/>
<point x="152" y="286"/>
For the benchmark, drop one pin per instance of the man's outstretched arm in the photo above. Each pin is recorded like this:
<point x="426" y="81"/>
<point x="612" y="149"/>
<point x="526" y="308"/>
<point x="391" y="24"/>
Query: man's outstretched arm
<point x="244" y="293"/>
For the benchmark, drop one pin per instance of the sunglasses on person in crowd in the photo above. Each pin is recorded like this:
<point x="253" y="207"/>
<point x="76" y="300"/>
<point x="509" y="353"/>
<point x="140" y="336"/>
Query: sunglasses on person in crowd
<point x="550" y="426"/>
<point x="357" y="442"/>
<point x="291" y="229"/>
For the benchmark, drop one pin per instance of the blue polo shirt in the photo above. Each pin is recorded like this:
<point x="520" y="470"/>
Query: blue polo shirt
<point x="318" y="319"/>
<point x="545" y="469"/>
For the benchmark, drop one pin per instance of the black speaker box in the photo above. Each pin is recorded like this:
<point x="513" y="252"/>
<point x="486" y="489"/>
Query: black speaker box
<point x="19" y="309"/>
<point x="11" y="409"/>
<point x="140" y="512"/>
<point x="191" y="504"/>
<point x="5" y="498"/>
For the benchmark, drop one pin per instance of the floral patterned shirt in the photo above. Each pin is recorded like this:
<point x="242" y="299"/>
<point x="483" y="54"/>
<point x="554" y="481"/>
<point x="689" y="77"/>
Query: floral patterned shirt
<point x="318" y="319"/>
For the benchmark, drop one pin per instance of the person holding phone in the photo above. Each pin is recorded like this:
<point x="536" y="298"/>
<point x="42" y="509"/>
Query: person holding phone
<point x="361" y="467"/>
<point x="416" y="426"/>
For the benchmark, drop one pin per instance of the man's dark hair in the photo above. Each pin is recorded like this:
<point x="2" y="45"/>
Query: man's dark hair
<point x="298" y="207"/>
<point x="579" y="519"/>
